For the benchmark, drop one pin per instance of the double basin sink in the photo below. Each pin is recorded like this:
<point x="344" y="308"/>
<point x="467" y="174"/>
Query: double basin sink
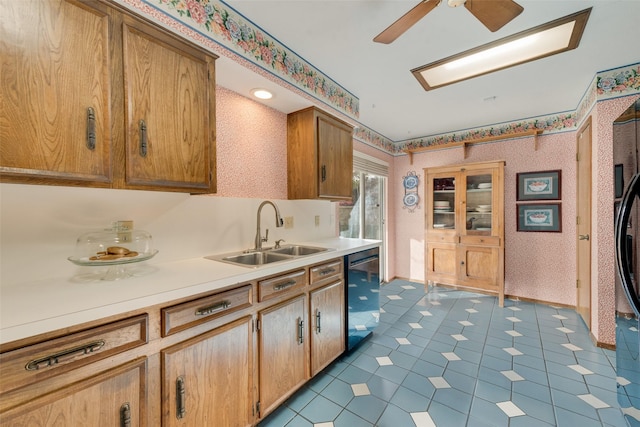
<point x="267" y="256"/>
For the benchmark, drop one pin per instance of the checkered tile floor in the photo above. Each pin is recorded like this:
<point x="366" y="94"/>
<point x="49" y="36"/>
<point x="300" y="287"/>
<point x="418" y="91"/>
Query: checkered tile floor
<point x="451" y="358"/>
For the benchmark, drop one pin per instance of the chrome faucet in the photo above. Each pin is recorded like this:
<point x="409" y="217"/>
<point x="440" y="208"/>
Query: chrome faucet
<point x="279" y="223"/>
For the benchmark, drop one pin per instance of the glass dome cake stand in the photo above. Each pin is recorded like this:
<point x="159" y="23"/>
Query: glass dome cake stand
<point x="114" y="248"/>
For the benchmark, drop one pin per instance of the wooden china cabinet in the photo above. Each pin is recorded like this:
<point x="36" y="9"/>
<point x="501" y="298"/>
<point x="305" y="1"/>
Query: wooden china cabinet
<point x="464" y="226"/>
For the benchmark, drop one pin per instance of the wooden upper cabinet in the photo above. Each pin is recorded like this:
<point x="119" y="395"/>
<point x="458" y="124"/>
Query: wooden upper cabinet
<point x="319" y="156"/>
<point x="55" y="87"/>
<point x="94" y="96"/>
<point x="170" y="122"/>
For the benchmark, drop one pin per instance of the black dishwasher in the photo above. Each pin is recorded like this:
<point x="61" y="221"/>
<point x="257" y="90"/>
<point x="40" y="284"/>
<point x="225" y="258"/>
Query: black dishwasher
<point x="362" y="278"/>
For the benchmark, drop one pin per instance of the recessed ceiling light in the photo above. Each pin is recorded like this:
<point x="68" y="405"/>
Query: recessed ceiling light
<point x="545" y="40"/>
<point x="261" y="93"/>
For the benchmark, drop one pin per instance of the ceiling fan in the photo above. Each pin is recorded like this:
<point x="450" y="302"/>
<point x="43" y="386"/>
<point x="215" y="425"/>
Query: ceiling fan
<point x="493" y="14"/>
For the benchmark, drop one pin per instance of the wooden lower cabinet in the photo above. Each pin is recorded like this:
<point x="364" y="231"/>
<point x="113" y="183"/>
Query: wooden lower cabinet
<point x="327" y="325"/>
<point x="283" y="351"/>
<point x="207" y="380"/>
<point x="112" y="398"/>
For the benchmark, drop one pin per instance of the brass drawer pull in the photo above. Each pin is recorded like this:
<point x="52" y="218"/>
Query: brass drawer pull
<point x="285" y="285"/>
<point x="318" y="318"/>
<point x="125" y="415"/>
<point x="143" y="139"/>
<point x="300" y="331"/>
<point x="91" y="129"/>
<point x="204" y="311"/>
<point x="54" y="359"/>
<point x="181" y="394"/>
<point x="326" y="271"/>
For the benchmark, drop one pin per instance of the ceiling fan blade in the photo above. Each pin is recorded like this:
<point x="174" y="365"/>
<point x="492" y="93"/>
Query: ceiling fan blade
<point x="494" y="14"/>
<point x="406" y="21"/>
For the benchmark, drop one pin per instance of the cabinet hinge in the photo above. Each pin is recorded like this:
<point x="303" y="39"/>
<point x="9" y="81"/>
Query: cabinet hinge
<point x="257" y="408"/>
<point x="577" y="220"/>
<point x="257" y="324"/>
<point x="577" y="283"/>
<point x="577" y="157"/>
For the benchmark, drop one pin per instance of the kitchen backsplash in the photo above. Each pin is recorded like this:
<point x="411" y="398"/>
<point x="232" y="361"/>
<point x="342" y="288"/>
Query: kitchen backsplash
<point x="40" y="225"/>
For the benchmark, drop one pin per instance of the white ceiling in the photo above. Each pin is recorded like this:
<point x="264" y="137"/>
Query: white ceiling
<point x="336" y="36"/>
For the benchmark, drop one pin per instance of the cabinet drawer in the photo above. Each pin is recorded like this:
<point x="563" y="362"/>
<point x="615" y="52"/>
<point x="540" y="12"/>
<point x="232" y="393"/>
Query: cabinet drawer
<point x="480" y="240"/>
<point x="278" y="285"/>
<point x="186" y="315"/>
<point x="443" y="238"/>
<point x="326" y="272"/>
<point x="45" y="359"/>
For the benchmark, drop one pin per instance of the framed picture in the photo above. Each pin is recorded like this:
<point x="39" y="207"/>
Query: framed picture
<point x="540" y="217"/>
<point x="619" y="180"/>
<point x="543" y="185"/>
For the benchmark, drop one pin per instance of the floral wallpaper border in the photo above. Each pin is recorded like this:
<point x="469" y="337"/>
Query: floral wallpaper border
<point x="221" y="23"/>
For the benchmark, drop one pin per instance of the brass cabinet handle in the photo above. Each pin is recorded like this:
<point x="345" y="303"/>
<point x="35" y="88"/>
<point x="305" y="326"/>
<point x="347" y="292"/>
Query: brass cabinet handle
<point x="318" y="319"/>
<point x="285" y="285"/>
<point x="143" y="138"/>
<point x="300" y="331"/>
<point x="181" y="393"/>
<point x="125" y="415"/>
<point x="323" y="173"/>
<point x="583" y="237"/>
<point x="326" y="271"/>
<point x="54" y="359"/>
<point x="91" y="129"/>
<point x="204" y="311"/>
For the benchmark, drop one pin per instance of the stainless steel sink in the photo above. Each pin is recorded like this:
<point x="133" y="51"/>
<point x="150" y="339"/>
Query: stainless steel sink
<point x="298" y="250"/>
<point x="267" y="256"/>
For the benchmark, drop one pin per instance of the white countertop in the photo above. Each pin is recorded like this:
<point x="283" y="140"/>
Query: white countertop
<point x="28" y="309"/>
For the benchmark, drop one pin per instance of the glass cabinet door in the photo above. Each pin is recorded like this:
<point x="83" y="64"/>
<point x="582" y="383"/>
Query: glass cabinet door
<point x="479" y="204"/>
<point x="444" y="203"/>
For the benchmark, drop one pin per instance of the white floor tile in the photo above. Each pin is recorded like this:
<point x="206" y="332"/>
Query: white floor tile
<point x="514" y="333"/>
<point x="459" y="337"/>
<point x="571" y="347"/>
<point x="593" y="401"/>
<point x="623" y="381"/>
<point x="329" y="424"/>
<point x="512" y="375"/>
<point x="415" y="325"/>
<point x="514" y="308"/>
<point x="353" y="285"/>
<point x="513" y="319"/>
<point x="471" y="310"/>
<point x="408" y="287"/>
<point x="360" y="327"/>
<point x="384" y="361"/>
<point x="512" y="351"/>
<point x="360" y="389"/>
<point x="451" y="356"/>
<point x="426" y="313"/>
<point x="422" y="419"/>
<point x="510" y="409"/>
<point x="403" y="341"/>
<point x="465" y="323"/>
<point x="394" y="297"/>
<point x="565" y="330"/>
<point x="435" y="302"/>
<point x="580" y="369"/>
<point x="439" y="382"/>
<point x="363" y="298"/>
<point x="476" y="301"/>
<point x="559" y="316"/>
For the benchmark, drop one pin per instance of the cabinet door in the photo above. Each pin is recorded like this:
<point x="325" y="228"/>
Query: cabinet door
<point x="169" y="101"/>
<point x="327" y="325"/>
<point x="112" y="398"/>
<point x="55" y="86"/>
<point x="207" y="380"/>
<point x="479" y="266"/>
<point x="283" y="364"/>
<point x="443" y="202"/>
<point x="335" y="159"/>
<point x="442" y="262"/>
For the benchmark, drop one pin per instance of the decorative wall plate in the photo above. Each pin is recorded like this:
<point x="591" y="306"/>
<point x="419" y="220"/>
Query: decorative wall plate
<point x="410" y="182"/>
<point x="410" y="199"/>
